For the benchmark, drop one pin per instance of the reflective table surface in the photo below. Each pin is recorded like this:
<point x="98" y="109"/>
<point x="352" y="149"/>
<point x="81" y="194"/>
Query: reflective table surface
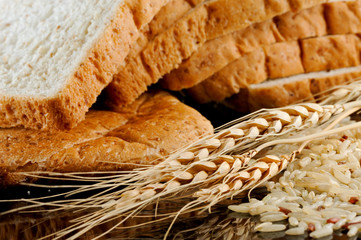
<point x="220" y="223"/>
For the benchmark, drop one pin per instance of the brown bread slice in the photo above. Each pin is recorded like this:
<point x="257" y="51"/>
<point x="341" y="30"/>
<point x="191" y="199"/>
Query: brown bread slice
<point x="142" y="133"/>
<point x="208" y="20"/>
<point x="280" y="60"/>
<point x="218" y="53"/>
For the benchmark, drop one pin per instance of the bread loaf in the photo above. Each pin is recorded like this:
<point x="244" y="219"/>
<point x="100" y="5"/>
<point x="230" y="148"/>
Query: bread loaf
<point x="218" y="53"/>
<point x="56" y="57"/>
<point x="280" y="60"/>
<point x="206" y="21"/>
<point x="121" y="139"/>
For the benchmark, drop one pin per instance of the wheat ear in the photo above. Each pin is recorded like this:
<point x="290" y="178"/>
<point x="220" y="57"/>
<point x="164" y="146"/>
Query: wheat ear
<point x="212" y="160"/>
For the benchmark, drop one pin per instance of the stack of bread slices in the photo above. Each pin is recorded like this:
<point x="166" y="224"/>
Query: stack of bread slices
<point x="246" y="54"/>
<point x="283" y="59"/>
<point x="56" y="57"/>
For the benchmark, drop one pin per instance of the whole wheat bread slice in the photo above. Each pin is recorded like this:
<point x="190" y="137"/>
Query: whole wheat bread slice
<point x="56" y="57"/>
<point x="280" y="60"/>
<point x="206" y="21"/>
<point x="153" y="126"/>
<point x="291" y="90"/>
<point x="216" y="54"/>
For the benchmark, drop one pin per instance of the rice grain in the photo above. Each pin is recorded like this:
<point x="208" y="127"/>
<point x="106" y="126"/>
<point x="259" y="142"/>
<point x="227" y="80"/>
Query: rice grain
<point x="272" y="228"/>
<point x="274" y="217"/>
<point x="295" y="231"/>
<point x="352" y="232"/>
<point x="293" y="221"/>
<point x="322" y="232"/>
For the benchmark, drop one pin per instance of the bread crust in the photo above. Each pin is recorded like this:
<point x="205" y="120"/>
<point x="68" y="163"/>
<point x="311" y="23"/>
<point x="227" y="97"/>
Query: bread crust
<point x="283" y="59"/>
<point x="144" y="10"/>
<point x="165" y="18"/>
<point x="207" y="21"/>
<point x="153" y="126"/>
<point x="66" y="109"/>
<point x="343" y="17"/>
<point x="251" y="68"/>
<point x="330" y="52"/>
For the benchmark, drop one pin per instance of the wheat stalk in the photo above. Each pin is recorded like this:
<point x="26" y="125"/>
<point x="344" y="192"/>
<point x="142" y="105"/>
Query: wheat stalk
<point x="212" y="165"/>
<point x="214" y="168"/>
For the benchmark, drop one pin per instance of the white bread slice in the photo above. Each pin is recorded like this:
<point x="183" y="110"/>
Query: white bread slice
<point x="208" y="20"/>
<point x="216" y="54"/>
<point x="155" y="125"/>
<point x="56" y="57"/>
<point x="278" y="60"/>
<point x="286" y="91"/>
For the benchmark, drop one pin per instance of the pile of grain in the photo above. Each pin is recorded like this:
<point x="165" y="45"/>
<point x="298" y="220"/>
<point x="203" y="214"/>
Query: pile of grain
<point x="318" y="193"/>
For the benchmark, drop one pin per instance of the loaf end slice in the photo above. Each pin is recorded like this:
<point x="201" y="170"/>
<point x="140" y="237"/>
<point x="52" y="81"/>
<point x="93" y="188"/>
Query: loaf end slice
<point x="122" y="138"/>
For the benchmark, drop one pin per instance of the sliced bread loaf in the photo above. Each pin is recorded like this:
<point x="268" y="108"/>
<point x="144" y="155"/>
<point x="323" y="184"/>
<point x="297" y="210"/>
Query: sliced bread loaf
<point x="291" y="90"/>
<point x="153" y="126"/>
<point x="208" y="20"/>
<point x="56" y="57"/>
<point x="280" y="60"/>
<point x="218" y="53"/>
